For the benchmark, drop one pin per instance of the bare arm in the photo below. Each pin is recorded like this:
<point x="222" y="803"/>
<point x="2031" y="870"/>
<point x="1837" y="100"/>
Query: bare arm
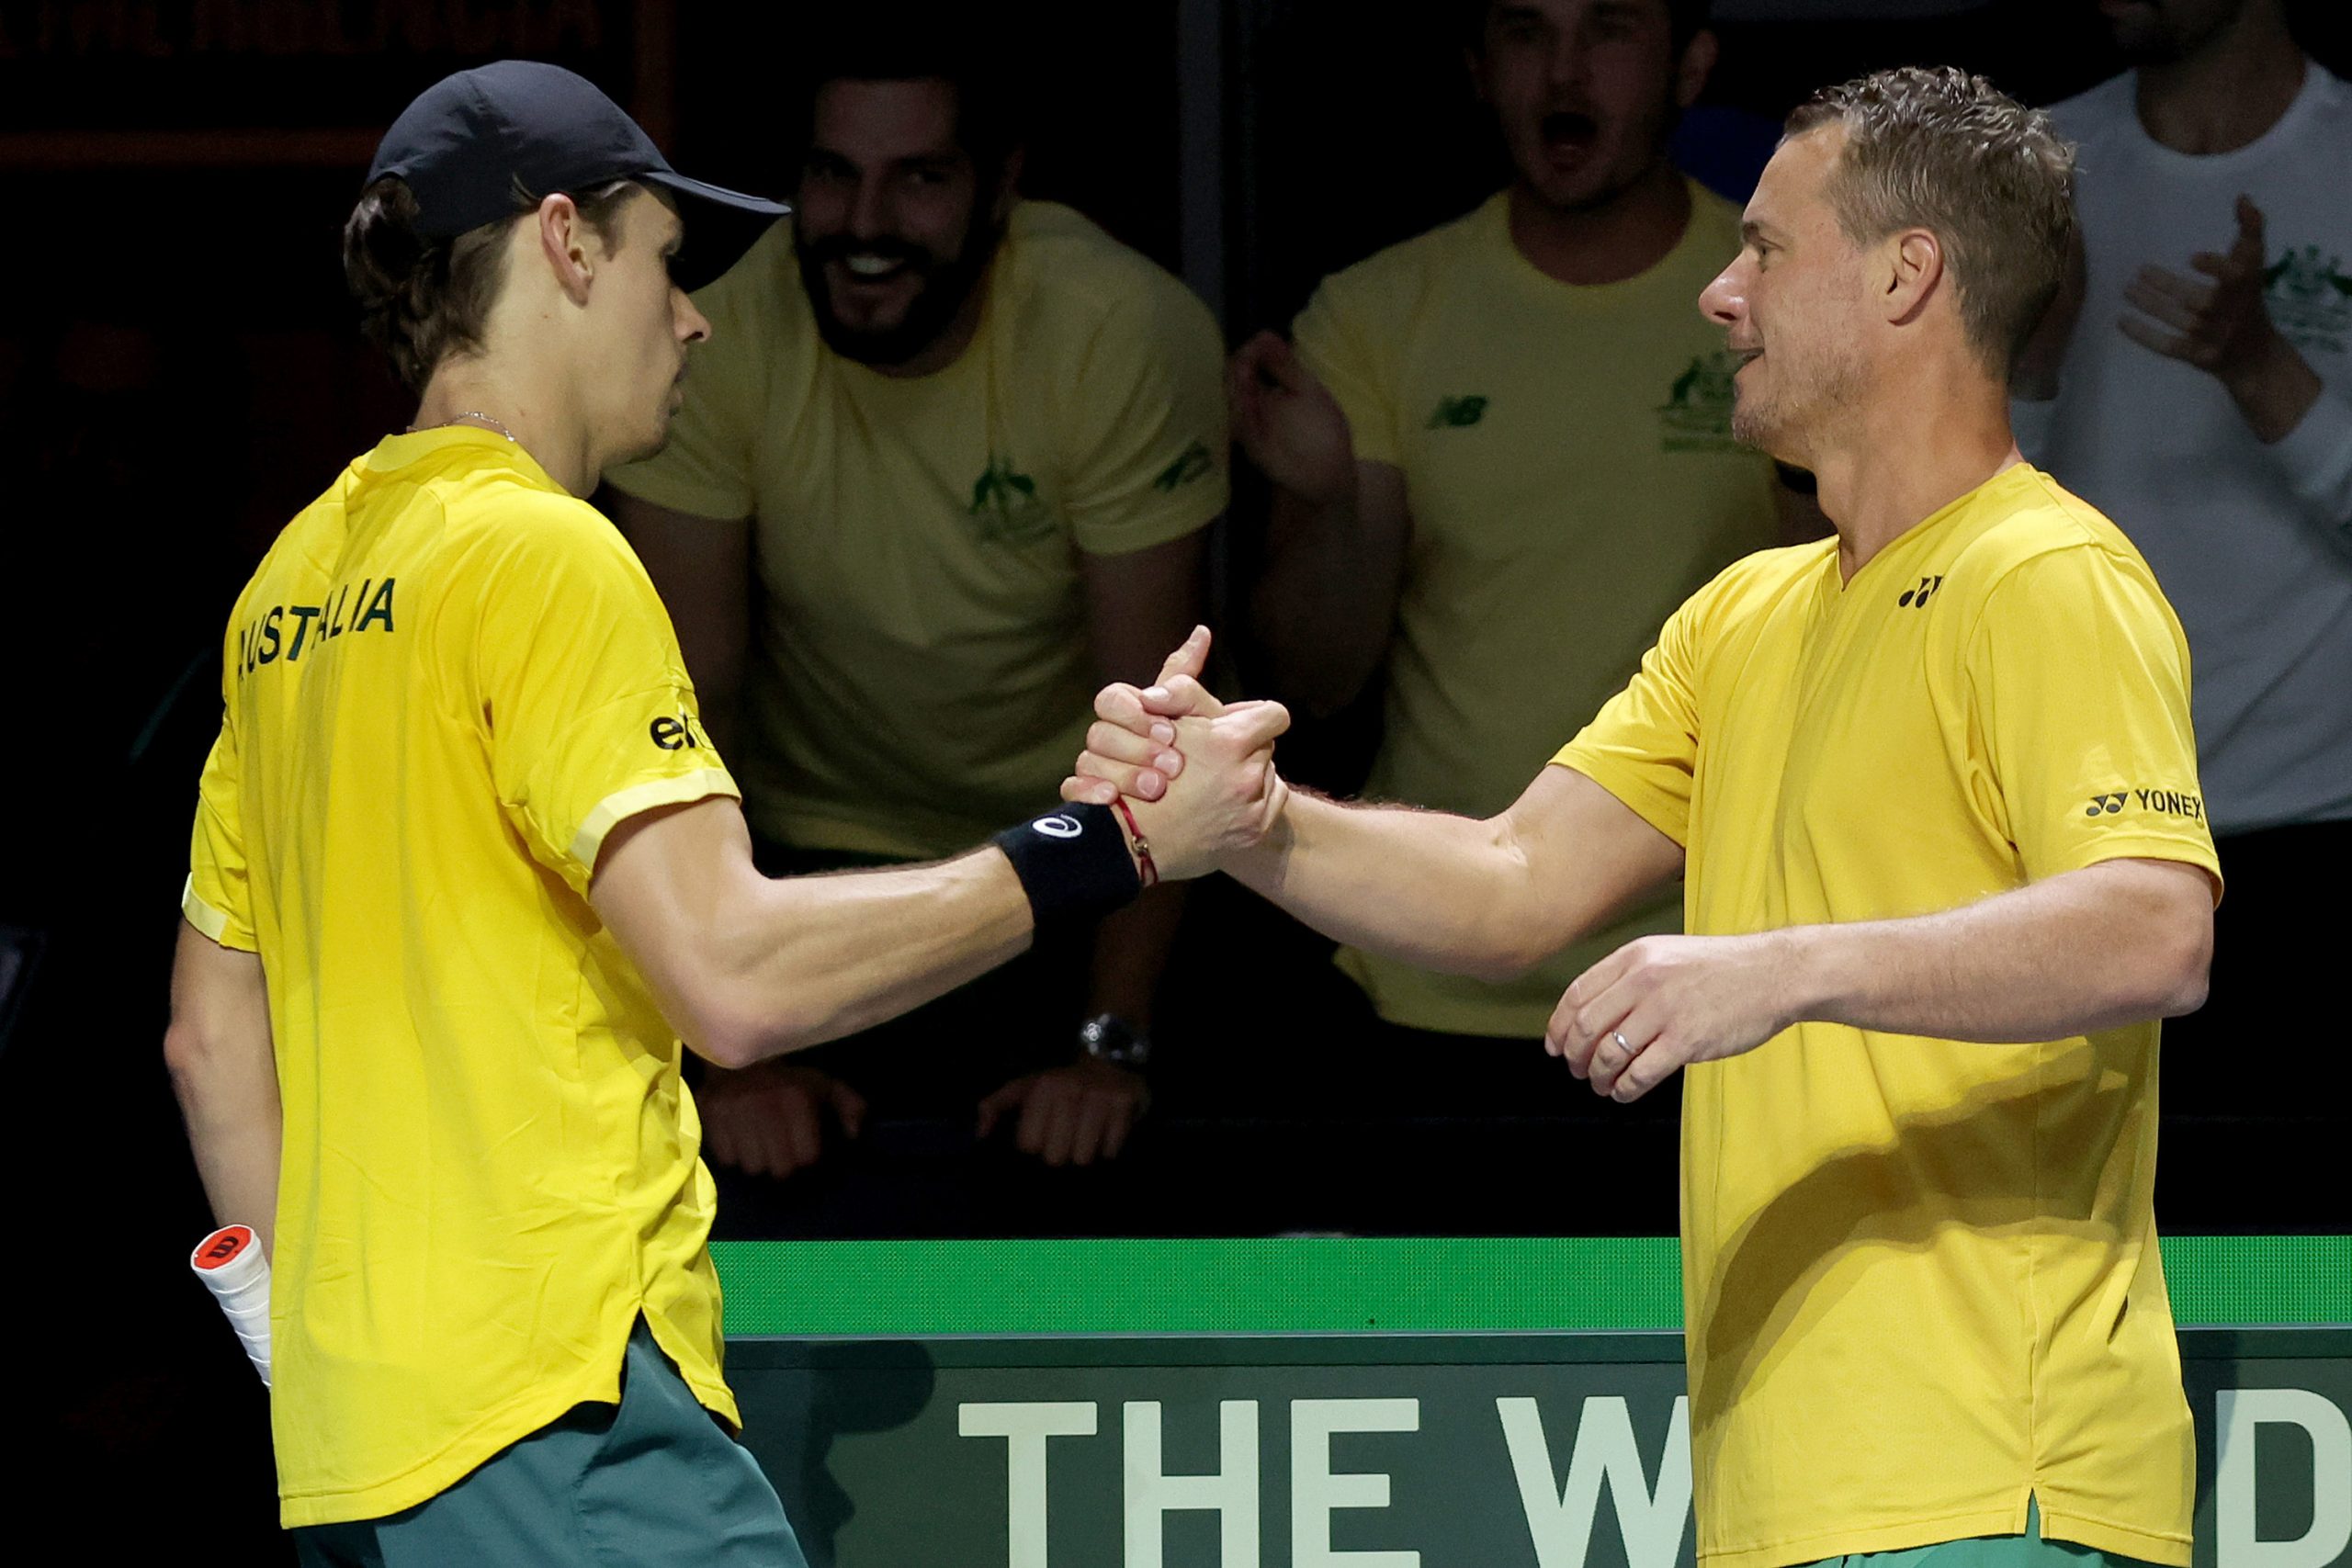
<point x="224" y="1071"/>
<point x="2119" y="942"/>
<point x="747" y="968"/>
<point x="1489" y="899"/>
<point x="2115" y="944"/>
<point x="701" y="567"/>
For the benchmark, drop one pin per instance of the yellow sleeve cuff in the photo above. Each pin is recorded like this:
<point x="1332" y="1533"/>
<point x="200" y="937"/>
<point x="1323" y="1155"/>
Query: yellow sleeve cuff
<point x="1662" y="810"/>
<point x="2186" y="849"/>
<point x="622" y="805"/>
<point x="213" y="922"/>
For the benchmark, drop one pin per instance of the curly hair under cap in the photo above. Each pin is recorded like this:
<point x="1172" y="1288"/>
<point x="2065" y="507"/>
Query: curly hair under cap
<point x="1935" y="148"/>
<point x="422" y="300"/>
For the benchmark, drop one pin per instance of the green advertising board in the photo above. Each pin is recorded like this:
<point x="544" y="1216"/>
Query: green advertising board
<point x="1411" y="1404"/>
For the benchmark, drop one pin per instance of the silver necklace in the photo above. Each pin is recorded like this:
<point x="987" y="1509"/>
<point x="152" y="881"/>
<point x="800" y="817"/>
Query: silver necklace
<point x="469" y="413"/>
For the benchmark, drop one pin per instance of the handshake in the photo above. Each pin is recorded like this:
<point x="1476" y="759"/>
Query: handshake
<point x="1198" y="774"/>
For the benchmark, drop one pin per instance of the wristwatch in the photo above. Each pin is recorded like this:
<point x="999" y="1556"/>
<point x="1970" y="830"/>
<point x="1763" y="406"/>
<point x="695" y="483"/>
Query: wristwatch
<point x="1108" y="1038"/>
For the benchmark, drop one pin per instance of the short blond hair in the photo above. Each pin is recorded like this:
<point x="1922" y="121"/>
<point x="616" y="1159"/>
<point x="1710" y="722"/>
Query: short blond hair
<point x="1935" y="148"/>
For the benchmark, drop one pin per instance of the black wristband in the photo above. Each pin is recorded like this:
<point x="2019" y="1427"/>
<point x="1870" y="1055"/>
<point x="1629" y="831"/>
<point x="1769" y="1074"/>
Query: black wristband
<point x="1073" y="864"/>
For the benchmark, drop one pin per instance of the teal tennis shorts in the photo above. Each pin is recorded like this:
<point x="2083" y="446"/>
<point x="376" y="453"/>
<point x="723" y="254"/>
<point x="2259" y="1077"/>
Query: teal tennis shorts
<point x="651" y="1481"/>
<point x="2026" y="1550"/>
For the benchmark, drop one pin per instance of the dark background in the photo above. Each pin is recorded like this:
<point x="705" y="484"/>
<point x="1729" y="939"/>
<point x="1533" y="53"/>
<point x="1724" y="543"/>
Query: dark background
<point x="179" y="373"/>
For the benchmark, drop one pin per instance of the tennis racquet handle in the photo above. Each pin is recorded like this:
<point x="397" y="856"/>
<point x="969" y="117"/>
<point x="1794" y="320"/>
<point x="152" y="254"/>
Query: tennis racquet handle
<point x="230" y="1264"/>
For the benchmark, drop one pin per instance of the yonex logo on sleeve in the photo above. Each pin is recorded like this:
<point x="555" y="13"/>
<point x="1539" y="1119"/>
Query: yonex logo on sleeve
<point x="1060" y="827"/>
<point x="2169" y="802"/>
<point x="2172" y="803"/>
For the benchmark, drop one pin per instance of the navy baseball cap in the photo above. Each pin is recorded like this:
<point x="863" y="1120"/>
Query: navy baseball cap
<point x="470" y="138"/>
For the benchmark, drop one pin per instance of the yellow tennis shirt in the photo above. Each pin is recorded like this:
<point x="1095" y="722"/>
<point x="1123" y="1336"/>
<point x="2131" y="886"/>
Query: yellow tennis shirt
<point x="1920" y="1277"/>
<point x="919" y="673"/>
<point x="1570" y="470"/>
<point x="445" y="684"/>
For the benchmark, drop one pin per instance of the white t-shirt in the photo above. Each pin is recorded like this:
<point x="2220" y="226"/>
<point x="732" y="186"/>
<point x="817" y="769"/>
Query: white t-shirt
<point x="2253" y="543"/>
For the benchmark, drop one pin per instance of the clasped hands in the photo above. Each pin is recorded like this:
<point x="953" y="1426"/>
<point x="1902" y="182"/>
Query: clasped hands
<point x="1199" y="776"/>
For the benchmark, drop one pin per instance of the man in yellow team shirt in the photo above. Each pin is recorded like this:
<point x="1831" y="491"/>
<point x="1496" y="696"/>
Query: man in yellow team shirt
<point x="1932" y="789"/>
<point x="465" y="867"/>
<point x="945" y="468"/>
<point x="1509" y="426"/>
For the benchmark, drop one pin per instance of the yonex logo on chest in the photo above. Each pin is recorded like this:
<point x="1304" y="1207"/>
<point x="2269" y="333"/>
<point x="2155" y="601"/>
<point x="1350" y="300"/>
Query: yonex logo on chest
<point x="1917" y="598"/>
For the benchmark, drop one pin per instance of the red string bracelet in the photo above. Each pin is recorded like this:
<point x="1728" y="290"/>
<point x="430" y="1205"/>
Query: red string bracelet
<point x="1144" y="867"/>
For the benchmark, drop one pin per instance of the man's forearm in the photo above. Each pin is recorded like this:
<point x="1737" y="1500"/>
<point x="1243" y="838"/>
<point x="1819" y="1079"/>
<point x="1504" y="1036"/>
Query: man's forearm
<point x="1487" y="898"/>
<point x="820" y="957"/>
<point x="224" y="1071"/>
<point x="2121" y="943"/>
<point x="1423" y="887"/>
<point x="236" y="1132"/>
<point x="747" y="968"/>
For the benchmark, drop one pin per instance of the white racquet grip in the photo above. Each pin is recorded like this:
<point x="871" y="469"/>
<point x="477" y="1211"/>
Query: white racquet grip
<point x="230" y="1264"/>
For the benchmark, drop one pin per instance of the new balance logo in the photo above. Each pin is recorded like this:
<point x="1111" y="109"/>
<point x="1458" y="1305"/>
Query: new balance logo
<point x="1192" y="465"/>
<point x="1917" y="598"/>
<point x="1457" y="414"/>
<point x="2106" y="805"/>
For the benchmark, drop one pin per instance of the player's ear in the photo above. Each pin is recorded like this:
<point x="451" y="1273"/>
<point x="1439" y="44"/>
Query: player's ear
<point x="568" y="246"/>
<point x="1911" y="269"/>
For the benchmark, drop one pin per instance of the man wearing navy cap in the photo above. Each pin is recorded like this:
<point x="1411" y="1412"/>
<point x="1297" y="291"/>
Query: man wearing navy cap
<point x="465" y="867"/>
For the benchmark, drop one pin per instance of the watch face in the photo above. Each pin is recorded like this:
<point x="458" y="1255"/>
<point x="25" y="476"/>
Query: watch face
<point x="1110" y="1038"/>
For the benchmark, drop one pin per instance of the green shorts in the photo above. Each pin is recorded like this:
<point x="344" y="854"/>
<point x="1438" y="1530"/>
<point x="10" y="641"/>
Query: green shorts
<point x="2026" y="1550"/>
<point x="651" y="1481"/>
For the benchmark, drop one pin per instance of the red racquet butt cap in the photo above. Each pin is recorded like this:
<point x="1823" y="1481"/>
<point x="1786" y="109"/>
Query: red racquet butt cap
<point x="223" y="1245"/>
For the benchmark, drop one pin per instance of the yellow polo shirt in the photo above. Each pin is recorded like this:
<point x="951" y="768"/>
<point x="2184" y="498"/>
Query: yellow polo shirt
<point x="920" y="673"/>
<point x="1570" y="470"/>
<point x="444" y="685"/>
<point x="1920" y="1276"/>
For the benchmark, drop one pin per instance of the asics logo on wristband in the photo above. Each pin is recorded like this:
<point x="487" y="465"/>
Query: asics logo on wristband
<point x="1073" y="864"/>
